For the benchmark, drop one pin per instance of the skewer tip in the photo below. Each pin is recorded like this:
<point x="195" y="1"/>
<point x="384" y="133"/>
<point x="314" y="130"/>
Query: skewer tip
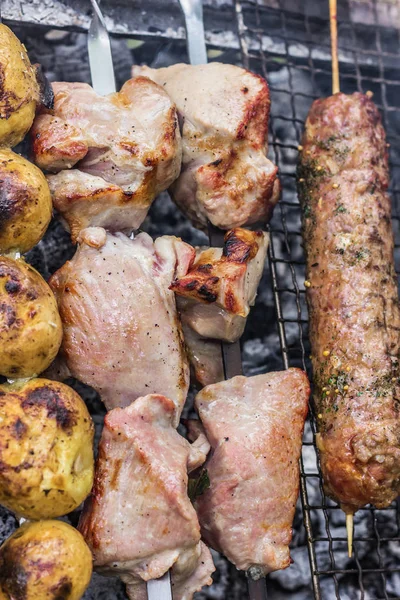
<point x="349" y="528"/>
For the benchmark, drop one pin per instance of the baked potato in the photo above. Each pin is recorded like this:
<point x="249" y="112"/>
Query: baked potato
<point x="46" y="560"/>
<point x="46" y="449"/>
<point x="25" y="203"/>
<point x="19" y="89"/>
<point x="30" y="326"/>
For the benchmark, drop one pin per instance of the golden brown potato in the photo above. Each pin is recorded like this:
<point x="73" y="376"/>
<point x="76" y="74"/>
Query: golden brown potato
<point x="19" y="89"/>
<point x="47" y="560"/>
<point x="25" y="203"/>
<point x="46" y="449"/>
<point x="30" y="326"/>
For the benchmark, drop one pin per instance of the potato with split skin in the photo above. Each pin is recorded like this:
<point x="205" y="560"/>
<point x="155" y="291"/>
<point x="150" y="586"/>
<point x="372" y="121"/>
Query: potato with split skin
<point x="19" y="89"/>
<point x="46" y="449"/>
<point x="25" y="203"/>
<point x="30" y="326"/>
<point x="46" y="560"/>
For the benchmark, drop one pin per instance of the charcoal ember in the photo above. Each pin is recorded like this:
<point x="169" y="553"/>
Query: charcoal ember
<point x="8" y="524"/>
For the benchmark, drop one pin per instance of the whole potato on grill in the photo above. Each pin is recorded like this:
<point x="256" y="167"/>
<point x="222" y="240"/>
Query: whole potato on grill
<point x="47" y="560"/>
<point x="46" y="449"/>
<point x="25" y="203"/>
<point x="19" y="89"/>
<point x="30" y="326"/>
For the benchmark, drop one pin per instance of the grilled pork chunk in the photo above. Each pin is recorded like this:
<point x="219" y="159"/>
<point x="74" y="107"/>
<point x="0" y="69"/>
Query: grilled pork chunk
<point x="215" y="295"/>
<point x="254" y="426"/>
<point x="112" y="154"/>
<point x="139" y="521"/>
<point x="121" y="331"/>
<point x="224" y="111"/>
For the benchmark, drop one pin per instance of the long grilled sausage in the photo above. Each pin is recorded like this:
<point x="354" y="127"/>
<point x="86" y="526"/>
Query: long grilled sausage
<point x="352" y="298"/>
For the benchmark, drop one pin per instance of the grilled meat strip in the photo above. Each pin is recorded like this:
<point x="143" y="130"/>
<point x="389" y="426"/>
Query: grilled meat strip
<point x="223" y="112"/>
<point x="139" y="521"/>
<point x="254" y="426"/>
<point x="352" y="298"/>
<point x="122" y="335"/>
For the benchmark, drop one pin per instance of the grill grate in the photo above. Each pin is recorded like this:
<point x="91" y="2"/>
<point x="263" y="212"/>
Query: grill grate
<point x="292" y="50"/>
<point x="367" y="55"/>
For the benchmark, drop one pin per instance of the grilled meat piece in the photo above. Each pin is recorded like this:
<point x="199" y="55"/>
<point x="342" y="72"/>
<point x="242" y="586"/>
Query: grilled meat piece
<point x="121" y="331"/>
<point x="123" y="150"/>
<point x="139" y="521"/>
<point x="215" y="296"/>
<point x="254" y="426"/>
<point x="224" y="110"/>
<point x="352" y="299"/>
<point x="205" y="355"/>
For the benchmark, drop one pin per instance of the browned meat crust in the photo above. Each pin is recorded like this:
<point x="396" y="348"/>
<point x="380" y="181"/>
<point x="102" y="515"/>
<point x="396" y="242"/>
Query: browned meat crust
<point x="352" y="299"/>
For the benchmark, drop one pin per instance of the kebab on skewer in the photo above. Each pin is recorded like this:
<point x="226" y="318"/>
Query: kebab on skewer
<point x="121" y="330"/>
<point x="214" y="298"/>
<point x="140" y="526"/>
<point x="255" y="427"/>
<point x="111" y="155"/>
<point x="226" y="177"/>
<point x="352" y="296"/>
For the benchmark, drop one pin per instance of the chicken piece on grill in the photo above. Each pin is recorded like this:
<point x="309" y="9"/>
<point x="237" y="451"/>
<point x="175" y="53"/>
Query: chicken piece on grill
<point x="139" y="521"/>
<point x="215" y="296"/>
<point x="122" y="149"/>
<point x="121" y="331"/>
<point x="254" y="426"/>
<point x="224" y="111"/>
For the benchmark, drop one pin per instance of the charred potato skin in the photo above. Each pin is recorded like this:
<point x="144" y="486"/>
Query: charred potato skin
<point x="25" y="203"/>
<point x="46" y="560"/>
<point x="19" y="89"/>
<point x="30" y="326"/>
<point x="46" y="449"/>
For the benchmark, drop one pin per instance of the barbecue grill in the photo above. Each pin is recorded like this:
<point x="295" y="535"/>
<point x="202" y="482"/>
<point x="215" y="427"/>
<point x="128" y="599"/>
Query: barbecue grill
<point x="286" y="41"/>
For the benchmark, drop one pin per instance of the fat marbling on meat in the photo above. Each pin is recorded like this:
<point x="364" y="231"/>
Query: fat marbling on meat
<point x="111" y="154"/>
<point x="139" y="521"/>
<point x="224" y="111"/>
<point x="254" y="426"/>
<point x="352" y="298"/>
<point x="122" y="335"/>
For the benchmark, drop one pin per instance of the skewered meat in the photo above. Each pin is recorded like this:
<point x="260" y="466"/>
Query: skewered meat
<point x="121" y="331"/>
<point x="123" y="150"/>
<point x="30" y="326"/>
<point x="204" y="354"/>
<point x="46" y="449"/>
<point x="215" y="296"/>
<point x="22" y="88"/>
<point x="25" y="203"/>
<point x="224" y="110"/>
<point x="254" y="426"/>
<point x="221" y="285"/>
<point x="44" y="560"/>
<point x="352" y="298"/>
<point x="139" y="521"/>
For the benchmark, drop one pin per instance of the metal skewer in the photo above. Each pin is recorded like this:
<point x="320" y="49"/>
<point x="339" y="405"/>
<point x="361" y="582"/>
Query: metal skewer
<point x="231" y="355"/>
<point x="103" y="82"/>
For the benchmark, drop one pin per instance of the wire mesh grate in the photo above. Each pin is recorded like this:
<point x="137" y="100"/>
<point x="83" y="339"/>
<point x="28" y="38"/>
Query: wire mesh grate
<point x="299" y="73"/>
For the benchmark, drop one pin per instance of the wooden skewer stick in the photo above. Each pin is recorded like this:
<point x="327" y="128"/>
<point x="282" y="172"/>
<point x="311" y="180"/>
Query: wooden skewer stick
<point x="349" y="528"/>
<point x="334" y="46"/>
